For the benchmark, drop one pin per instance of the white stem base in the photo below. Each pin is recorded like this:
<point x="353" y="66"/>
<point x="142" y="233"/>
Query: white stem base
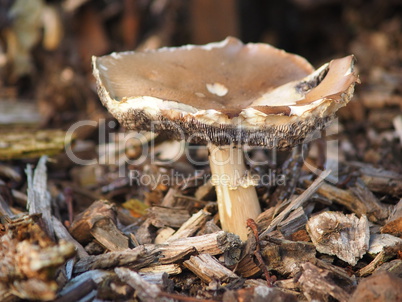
<point x="236" y="204"/>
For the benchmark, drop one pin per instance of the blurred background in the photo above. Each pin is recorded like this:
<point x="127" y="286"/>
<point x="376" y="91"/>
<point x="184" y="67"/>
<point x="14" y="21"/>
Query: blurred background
<point x="46" y="46"/>
<point x="46" y="87"/>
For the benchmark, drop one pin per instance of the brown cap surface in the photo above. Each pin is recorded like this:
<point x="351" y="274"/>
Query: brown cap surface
<point x="224" y="92"/>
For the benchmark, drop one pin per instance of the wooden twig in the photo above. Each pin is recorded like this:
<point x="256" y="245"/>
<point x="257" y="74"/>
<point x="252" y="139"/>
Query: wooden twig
<point x="383" y="256"/>
<point x="207" y="268"/>
<point x="136" y="258"/>
<point x="213" y="244"/>
<point x="298" y="202"/>
<point x="38" y="195"/>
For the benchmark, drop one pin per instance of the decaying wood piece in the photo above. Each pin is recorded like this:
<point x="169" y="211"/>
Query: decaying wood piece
<point x="247" y="267"/>
<point x="393" y="224"/>
<point x="345" y="236"/>
<point x="386" y="254"/>
<point x="99" y="222"/>
<point x="61" y="233"/>
<point x="317" y="284"/>
<point x="102" y="284"/>
<point x="214" y="244"/>
<point x="146" y="233"/>
<point x="172" y="254"/>
<point x="159" y="278"/>
<point x="380" y="287"/>
<point x="165" y="216"/>
<point x="375" y="210"/>
<point x="380" y="180"/>
<point x="368" y="269"/>
<point x="265" y="218"/>
<point x="82" y="285"/>
<point x="191" y="226"/>
<point x="295" y="222"/>
<point x="337" y="272"/>
<point x="170" y="269"/>
<point x="287" y="284"/>
<point x="343" y="197"/>
<point x="29" y="259"/>
<point x="209" y="227"/>
<point x="81" y="227"/>
<point x="207" y="268"/>
<point x="300" y="235"/>
<point x="5" y="208"/>
<point x="297" y="202"/>
<point x="94" y="248"/>
<point x="144" y="255"/>
<point x="169" y="199"/>
<point x="14" y="113"/>
<point x="394" y="267"/>
<point x="112" y="288"/>
<point x="163" y="234"/>
<point x="146" y="291"/>
<point x="136" y="258"/>
<point x="38" y="195"/>
<point x="286" y="257"/>
<point x="259" y="293"/>
<point x="32" y="143"/>
<point x="109" y="236"/>
<point x="378" y="242"/>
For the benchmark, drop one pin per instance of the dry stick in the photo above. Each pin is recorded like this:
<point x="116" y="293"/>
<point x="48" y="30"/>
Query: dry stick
<point x="298" y="202"/>
<point x="253" y="226"/>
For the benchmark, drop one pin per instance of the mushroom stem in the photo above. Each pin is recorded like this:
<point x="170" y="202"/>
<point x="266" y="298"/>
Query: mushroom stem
<point x="237" y="198"/>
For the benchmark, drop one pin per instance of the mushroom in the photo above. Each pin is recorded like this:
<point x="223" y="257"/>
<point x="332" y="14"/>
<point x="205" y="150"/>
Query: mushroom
<point x="225" y="94"/>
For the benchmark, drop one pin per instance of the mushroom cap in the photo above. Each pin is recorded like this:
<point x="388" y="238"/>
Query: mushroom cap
<point x="224" y="93"/>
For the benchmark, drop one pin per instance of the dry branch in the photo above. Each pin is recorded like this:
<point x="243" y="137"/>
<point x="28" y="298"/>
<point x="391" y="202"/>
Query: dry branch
<point x="136" y="258"/>
<point x="208" y="268"/>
